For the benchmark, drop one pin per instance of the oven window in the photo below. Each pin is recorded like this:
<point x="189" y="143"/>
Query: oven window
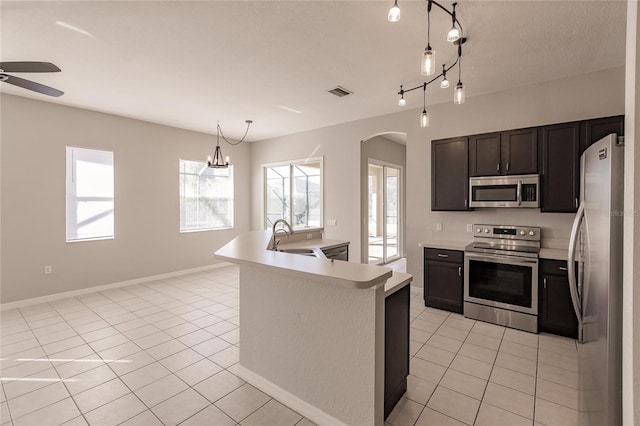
<point x="495" y="193"/>
<point x="499" y="282"/>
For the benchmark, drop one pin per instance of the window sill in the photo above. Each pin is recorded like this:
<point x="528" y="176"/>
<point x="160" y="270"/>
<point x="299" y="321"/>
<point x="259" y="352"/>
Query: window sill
<point x="82" y="240"/>
<point x="191" y="231"/>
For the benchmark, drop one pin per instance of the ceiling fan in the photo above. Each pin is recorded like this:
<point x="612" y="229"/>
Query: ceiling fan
<point x="6" y="67"/>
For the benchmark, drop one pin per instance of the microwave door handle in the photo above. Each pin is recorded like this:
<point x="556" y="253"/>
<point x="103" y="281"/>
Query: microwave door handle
<point x="519" y="192"/>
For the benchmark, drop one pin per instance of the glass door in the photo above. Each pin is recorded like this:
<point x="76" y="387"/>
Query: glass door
<point x="384" y="214"/>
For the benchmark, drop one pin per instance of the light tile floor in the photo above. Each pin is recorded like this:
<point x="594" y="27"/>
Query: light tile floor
<point x="165" y="353"/>
<point x="469" y="372"/>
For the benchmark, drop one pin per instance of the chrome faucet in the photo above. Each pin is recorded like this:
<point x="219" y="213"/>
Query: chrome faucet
<point x="273" y="243"/>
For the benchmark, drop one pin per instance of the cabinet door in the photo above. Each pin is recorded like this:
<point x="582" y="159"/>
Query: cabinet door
<point x="443" y="285"/>
<point x="449" y="177"/>
<point x="600" y="127"/>
<point x="519" y="154"/>
<point x="556" y="310"/>
<point x="560" y="167"/>
<point x="396" y="347"/>
<point x="484" y="155"/>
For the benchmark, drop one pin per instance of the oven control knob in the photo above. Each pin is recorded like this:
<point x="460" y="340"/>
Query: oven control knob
<point x="522" y="232"/>
<point x="479" y="230"/>
<point x="532" y="233"/>
<point x="486" y="230"/>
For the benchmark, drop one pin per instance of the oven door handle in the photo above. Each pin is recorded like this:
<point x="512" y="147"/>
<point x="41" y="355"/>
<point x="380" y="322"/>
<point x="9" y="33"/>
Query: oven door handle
<point x="496" y="258"/>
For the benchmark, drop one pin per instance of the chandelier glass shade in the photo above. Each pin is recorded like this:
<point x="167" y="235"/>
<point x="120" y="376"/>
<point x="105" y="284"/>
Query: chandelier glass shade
<point x="428" y="61"/>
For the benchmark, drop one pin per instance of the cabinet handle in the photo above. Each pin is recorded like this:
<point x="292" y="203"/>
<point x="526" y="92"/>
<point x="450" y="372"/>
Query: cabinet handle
<point x="460" y="271"/>
<point x="562" y="268"/>
<point x="507" y="166"/>
<point x="443" y="255"/>
<point x="544" y="282"/>
<point x="576" y="202"/>
<point x="498" y="167"/>
<point x="465" y="203"/>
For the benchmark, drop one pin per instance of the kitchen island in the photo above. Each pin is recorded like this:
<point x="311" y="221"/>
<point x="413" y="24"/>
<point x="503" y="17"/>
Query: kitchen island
<point x="313" y="330"/>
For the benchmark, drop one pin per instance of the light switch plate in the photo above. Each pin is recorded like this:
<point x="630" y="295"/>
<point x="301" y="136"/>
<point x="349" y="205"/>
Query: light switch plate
<point x="332" y="222"/>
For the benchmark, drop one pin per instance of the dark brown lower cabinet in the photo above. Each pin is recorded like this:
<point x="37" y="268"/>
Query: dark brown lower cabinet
<point x="396" y="347"/>
<point x="443" y="279"/>
<point x="555" y="314"/>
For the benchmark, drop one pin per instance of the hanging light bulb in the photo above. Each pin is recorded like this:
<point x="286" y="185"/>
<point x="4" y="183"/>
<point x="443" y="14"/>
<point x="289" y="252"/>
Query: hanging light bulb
<point x="428" y="61"/>
<point x="454" y="32"/>
<point x="458" y="94"/>
<point x="394" y="12"/>
<point x="424" y="119"/>
<point x="444" y="83"/>
<point x="401" y="101"/>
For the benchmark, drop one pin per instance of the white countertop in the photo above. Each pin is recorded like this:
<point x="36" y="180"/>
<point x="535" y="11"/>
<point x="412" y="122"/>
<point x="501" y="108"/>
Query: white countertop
<point x="553" y="253"/>
<point x="545" y="252"/>
<point x="445" y="244"/>
<point x="398" y="281"/>
<point x="251" y="248"/>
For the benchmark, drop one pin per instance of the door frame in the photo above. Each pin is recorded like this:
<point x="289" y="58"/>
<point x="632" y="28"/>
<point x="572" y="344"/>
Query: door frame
<point x="400" y="224"/>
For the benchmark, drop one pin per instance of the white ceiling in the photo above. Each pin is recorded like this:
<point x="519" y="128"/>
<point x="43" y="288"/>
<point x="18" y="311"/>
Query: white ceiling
<point x="189" y="63"/>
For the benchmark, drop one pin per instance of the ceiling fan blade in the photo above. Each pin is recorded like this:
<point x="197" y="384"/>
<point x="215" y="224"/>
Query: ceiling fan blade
<point x="30" y="85"/>
<point x="28" y="67"/>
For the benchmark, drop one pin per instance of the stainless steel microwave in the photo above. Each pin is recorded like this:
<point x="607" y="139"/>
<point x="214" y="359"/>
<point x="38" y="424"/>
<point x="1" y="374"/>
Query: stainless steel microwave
<point x="505" y="191"/>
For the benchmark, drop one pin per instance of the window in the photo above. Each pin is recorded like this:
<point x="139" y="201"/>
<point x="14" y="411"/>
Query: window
<point x="293" y="191"/>
<point x="89" y="194"/>
<point x="206" y="197"/>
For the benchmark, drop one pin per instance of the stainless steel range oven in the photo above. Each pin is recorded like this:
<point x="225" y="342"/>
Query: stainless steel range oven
<point x="501" y="276"/>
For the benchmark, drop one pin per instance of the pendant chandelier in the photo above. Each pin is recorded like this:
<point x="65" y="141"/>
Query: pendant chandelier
<point x="218" y="161"/>
<point x="428" y="61"/>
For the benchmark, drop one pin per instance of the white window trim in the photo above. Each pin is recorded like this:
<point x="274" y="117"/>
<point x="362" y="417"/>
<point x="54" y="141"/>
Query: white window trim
<point x="292" y="163"/>
<point x="233" y="202"/>
<point x="71" y="191"/>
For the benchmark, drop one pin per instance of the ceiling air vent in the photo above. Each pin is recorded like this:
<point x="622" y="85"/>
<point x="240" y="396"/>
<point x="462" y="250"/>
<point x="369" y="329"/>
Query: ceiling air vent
<point x="339" y="91"/>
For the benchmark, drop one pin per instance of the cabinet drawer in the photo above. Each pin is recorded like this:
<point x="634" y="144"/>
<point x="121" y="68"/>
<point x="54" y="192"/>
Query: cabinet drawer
<point x="444" y="255"/>
<point x="555" y="267"/>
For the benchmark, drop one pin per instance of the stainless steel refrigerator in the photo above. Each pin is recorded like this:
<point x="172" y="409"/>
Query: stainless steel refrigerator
<point x="596" y="285"/>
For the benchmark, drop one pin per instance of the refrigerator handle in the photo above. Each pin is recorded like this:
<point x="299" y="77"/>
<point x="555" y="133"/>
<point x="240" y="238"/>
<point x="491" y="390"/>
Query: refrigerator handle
<point x="571" y="260"/>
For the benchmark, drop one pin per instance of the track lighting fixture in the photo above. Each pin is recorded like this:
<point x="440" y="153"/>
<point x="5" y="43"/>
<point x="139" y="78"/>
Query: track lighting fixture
<point x="424" y="117"/>
<point x="444" y="83"/>
<point x="428" y="62"/>
<point x="394" y="12"/>
<point x="217" y="161"/>
<point x="401" y="101"/>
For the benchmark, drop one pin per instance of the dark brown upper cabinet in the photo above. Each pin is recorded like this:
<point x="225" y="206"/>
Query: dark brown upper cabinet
<point x="484" y="154"/>
<point x="598" y="128"/>
<point x="514" y="152"/>
<point x="560" y="167"/>
<point x="519" y="151"/>
<point x="449" y="176"/>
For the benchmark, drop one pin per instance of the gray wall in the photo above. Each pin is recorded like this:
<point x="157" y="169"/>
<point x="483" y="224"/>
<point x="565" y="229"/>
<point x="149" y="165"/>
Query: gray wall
<point x="147" y="238"/>
<point x="581" y="97"/>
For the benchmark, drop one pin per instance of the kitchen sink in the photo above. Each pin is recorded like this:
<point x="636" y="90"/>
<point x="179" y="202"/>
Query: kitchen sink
<point x="304" y="252"/>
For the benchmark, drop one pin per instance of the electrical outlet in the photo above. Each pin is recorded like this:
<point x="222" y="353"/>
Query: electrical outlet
<point x="309" y="236"/>
<point x="469" y="227"/>
<point x="48" y="269"/>
<point x="438" y="227"/>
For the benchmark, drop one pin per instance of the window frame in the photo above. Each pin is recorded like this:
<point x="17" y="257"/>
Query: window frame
<point x="231" y="178"/>
<point x="71" y="191"/>
<point x="291" y="164"/>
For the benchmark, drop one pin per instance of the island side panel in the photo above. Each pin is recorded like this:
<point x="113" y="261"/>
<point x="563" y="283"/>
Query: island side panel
<point x="322" y="343"/>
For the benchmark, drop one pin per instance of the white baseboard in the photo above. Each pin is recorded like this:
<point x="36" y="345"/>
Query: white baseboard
<point x="311" y="412"/>
<point x="80" y="292"/>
